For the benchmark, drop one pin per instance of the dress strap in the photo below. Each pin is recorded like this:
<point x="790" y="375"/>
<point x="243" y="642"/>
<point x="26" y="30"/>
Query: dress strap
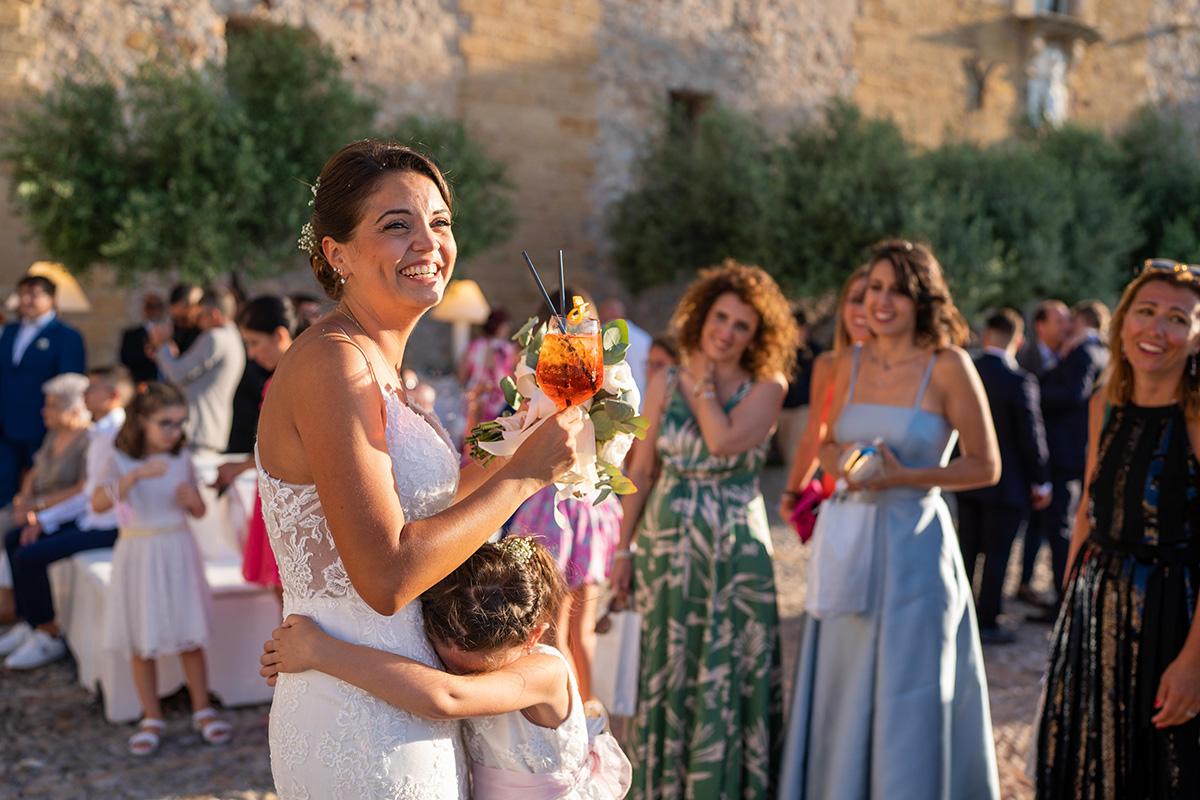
<point x="370" y="364"/>
<point x="853" y="373"/>
<point x="925" y="381"/>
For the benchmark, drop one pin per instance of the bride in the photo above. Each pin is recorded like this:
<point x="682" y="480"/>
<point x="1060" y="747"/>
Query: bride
<point x="363" y="499"/>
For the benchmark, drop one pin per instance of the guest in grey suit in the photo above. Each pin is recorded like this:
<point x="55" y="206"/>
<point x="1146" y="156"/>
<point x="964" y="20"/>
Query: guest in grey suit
<point x="208" y="372"/>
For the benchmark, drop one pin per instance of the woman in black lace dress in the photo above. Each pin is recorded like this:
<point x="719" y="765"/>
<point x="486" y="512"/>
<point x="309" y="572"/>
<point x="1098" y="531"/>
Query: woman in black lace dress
<point x="1118" y="717"/>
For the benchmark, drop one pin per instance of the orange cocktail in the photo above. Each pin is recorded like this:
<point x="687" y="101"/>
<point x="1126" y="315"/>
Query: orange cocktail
<point x="570" y="365"/>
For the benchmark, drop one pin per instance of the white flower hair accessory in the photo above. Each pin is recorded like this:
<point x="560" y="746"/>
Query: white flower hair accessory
<point x="308" y="238"/>
<point x="519" y="548"/>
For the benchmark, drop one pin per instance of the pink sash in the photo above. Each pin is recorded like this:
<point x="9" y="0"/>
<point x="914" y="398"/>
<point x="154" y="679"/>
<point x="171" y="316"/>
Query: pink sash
<point x="606" y="766"/>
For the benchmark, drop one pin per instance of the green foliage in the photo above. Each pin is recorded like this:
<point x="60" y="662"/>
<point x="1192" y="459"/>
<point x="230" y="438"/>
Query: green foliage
<point x="843" y="185"/>
<point x="1026" y="220"/>
<point x="483" y="214"/>
<point x="68" y="176"/>
<point x="298" y="111"/>
<point x="1161" y="167"/>
<point x="706" y="194"/>
<point x="204" y="171"/>
<point x="1064" y="213"/>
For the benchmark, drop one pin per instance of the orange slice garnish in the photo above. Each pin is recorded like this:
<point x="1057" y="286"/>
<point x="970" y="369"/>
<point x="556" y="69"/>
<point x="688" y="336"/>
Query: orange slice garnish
<point x="575" y="315"/>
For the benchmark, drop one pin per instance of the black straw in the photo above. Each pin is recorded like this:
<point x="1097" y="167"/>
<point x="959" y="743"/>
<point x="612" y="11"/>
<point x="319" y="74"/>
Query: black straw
<point x="562" y="289"/>
<point x="545" y="294"/>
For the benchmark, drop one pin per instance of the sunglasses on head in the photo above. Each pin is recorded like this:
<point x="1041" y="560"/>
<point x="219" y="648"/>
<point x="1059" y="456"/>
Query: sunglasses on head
<point x="1167" y="265"/>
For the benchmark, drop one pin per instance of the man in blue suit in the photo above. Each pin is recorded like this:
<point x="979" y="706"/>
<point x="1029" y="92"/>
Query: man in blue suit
<point x="32" y="351"/>
<point x="1066" y="390"/>
<point x="990" y="518"/>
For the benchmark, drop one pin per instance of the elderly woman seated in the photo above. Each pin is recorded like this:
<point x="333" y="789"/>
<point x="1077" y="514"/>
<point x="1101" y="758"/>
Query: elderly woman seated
<point x="43" y="525"/>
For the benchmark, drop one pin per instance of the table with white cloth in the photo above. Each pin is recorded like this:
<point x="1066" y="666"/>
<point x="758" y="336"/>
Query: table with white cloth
<point x="244" y="614"/>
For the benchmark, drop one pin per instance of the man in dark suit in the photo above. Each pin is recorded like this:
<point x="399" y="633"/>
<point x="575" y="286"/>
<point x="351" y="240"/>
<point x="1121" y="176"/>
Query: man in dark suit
<point x="1066" y="390"/>
<point x="32" y="351"/>
<point x="136" y="353"/>
<point x="990" y="518"/>
<point x="1051" y="329"/>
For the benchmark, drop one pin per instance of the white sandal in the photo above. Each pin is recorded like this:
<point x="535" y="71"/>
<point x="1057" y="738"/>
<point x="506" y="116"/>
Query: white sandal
<point x="214" y="730"/>
<point x="145" y="742"/>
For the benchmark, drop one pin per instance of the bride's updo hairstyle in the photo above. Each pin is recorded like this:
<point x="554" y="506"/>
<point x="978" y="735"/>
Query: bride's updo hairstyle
<point x="346" y="182"/>
<point x="494" y="600"/>
<point x="919" y="277"/>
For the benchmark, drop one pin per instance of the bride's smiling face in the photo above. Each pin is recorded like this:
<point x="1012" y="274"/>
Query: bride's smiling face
<point x="403" y="249"/>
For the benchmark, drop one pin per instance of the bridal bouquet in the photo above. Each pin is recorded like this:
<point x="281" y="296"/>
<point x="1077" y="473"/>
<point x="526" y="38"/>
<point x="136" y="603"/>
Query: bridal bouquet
<point x="609" y="428"/>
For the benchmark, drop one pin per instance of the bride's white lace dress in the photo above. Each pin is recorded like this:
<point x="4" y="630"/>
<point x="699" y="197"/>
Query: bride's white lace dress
<point x="328" y="738"/>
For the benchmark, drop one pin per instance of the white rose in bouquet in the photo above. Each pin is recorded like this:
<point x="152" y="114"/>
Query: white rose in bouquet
<point x="618" y="378"/>
<point x="615" y="449"/>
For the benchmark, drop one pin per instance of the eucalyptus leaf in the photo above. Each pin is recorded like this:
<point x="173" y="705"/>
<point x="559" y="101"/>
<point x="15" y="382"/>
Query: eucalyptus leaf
<point x="619" y="411"/>
<point x="605" y="493"/>
<point x="605" y="429"/>
<point x="615" y="356"/>
<point x="509" y="387"/>
<point x="615" y="332"/>
<point x="523" y="336"/>
<point x="605" y="468"/>
<point x="535" y="347"/>
<point x="622" y="485"/>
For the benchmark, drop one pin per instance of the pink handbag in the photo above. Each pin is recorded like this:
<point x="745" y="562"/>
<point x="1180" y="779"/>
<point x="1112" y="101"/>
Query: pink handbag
<point x="804" y="517"/>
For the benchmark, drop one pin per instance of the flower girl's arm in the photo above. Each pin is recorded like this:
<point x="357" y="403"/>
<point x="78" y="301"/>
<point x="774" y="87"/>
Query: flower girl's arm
<point x="531" y="680"/>
<point x="474" y="475"/>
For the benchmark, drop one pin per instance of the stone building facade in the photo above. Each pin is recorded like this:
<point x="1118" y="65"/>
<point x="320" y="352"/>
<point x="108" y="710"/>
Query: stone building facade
<point x="565" y="91"/>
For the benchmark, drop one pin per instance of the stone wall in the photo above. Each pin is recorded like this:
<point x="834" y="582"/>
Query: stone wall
<point x="529" y="95"/>
<point x="1173" y="60"/>
<point x="780" y="61"/>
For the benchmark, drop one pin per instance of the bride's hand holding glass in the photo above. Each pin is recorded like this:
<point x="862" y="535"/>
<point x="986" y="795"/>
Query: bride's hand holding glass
<point x="549" y="452"/>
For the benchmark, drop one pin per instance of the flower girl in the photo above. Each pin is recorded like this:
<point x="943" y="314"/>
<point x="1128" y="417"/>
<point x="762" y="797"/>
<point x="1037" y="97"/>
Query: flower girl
<point x="523" y="721"/>
<point x="160" y="602"/>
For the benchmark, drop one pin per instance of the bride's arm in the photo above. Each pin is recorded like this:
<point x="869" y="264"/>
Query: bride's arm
<point x="531" y="680"/>
<point x="335" y="406"/>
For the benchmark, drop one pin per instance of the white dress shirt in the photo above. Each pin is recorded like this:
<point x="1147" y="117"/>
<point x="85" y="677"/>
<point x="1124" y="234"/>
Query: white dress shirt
<point x="27" y="332"/>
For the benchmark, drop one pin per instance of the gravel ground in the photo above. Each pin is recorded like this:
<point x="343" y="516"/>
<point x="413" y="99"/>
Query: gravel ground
<point x="55" y="742"/>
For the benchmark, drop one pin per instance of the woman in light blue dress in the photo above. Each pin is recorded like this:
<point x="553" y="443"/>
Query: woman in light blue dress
<point x="892" y="702"/>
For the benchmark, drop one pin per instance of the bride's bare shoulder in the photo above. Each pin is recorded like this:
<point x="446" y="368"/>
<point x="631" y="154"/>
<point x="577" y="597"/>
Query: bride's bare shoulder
<point x="323" y="358"/>
<point x="322" y="386"/>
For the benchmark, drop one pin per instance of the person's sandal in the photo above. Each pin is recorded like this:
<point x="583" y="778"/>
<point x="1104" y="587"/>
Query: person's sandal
<point x="145" y="742"/>
<point x="214" y="730"/>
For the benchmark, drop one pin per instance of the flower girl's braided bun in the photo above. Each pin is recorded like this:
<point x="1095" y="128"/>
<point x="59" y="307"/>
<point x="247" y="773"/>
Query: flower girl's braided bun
<point x="495" y="599"/>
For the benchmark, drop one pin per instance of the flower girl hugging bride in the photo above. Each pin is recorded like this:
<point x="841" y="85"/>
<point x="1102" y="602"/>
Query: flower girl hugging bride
<point x="523" y="721"/>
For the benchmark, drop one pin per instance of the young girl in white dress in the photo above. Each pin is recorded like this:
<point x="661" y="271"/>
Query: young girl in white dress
<point x="523" y="721"/>
<point x="160" y="602"/>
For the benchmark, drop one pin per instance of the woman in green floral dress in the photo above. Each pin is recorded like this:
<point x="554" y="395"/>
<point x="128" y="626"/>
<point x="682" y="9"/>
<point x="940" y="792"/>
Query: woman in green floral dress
<point x="696" y="548"/>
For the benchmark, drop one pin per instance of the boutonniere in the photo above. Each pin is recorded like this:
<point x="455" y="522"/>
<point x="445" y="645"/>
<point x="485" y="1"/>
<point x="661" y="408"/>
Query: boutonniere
<point x="42" y="343"/>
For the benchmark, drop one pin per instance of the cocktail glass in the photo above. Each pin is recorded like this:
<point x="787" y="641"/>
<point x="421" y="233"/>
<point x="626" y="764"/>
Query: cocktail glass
<point x="570" y="365"/>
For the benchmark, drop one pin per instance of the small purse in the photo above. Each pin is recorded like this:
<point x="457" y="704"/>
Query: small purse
<point x="804" y="515"/>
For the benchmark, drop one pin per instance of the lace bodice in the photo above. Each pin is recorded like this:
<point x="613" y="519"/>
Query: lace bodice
<point x="425" y="471"/>
<point x="328" y="738"/>
<point x="512" y="742"/>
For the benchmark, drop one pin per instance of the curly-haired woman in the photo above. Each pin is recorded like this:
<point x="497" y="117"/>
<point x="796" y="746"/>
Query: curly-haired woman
<point x="890" y="700"/>
<point x="709" y="703"/>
